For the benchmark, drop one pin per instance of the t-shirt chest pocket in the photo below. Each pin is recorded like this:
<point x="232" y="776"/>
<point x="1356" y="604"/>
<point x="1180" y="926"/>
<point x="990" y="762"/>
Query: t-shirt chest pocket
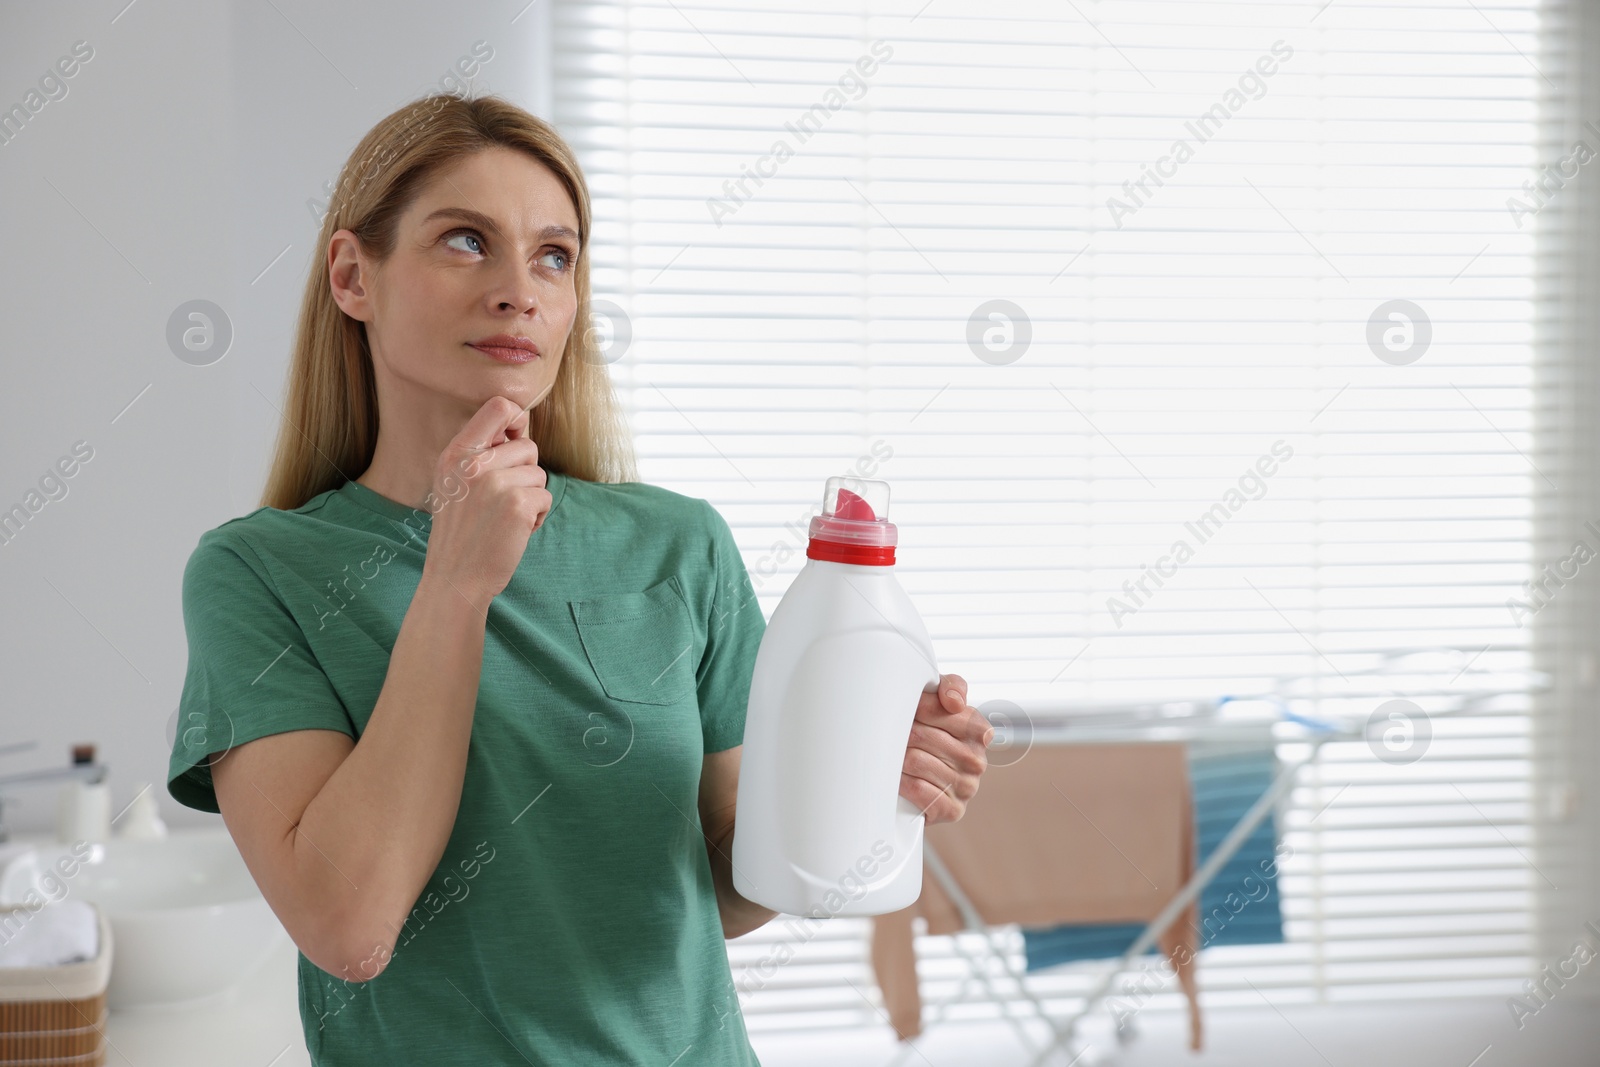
<point x="640" y="644"/>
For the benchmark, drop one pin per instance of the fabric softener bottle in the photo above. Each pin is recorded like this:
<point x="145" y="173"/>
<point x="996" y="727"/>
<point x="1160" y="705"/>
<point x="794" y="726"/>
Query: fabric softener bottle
<point x="821" y="828"/>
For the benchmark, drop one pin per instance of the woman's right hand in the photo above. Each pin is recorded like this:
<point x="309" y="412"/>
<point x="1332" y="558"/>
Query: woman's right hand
<point x="488" y="497"/>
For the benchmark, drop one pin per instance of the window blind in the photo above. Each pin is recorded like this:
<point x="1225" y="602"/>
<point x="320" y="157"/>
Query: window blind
<point x="1196" y="342"/>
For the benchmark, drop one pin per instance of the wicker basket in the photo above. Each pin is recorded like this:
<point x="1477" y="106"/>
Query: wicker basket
<point x="55" y="1016"/>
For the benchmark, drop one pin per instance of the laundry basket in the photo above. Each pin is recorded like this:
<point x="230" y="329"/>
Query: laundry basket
<point x="55" y="1016"/>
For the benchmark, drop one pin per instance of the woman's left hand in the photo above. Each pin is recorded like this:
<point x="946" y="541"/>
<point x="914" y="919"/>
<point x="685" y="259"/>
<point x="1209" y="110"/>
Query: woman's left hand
<point x="947" y="753"/>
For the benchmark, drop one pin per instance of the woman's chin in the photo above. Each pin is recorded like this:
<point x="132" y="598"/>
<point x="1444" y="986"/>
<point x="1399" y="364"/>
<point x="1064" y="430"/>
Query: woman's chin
<point x="523" y="386"/>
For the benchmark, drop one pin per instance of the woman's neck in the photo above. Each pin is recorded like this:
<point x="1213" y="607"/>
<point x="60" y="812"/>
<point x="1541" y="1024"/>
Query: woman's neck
<point x="415" y="428"/>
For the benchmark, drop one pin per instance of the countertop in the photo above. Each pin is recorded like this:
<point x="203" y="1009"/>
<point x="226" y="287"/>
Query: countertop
<point x="255" y="1024"/>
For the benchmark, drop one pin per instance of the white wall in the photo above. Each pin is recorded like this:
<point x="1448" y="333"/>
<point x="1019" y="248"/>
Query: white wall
<point x="177" y="166"/>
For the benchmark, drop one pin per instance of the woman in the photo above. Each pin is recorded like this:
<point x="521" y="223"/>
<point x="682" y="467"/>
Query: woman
<point x="467" y="694"/>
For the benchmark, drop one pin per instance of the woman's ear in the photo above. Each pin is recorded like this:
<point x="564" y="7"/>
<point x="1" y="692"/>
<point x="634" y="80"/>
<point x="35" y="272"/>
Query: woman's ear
<point x="347" y="277"/>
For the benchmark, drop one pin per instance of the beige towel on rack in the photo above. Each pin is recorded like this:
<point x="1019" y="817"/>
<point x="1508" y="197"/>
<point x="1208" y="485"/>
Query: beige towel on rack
<point x="1085" y="833"/>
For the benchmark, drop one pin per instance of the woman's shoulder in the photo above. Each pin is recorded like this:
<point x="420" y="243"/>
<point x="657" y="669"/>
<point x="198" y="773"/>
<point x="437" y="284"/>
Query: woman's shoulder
<point x="633" y="510"/>
<point x="259" y="534"/>
<point x="639" y="496"/>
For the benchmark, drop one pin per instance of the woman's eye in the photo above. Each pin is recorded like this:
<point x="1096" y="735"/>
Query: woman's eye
<point x="565" y="260"/>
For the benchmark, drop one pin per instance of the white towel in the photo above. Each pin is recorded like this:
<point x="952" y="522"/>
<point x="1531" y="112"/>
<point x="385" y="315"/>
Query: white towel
<point x="19" y="873"/>
<point x="65" y="932"/>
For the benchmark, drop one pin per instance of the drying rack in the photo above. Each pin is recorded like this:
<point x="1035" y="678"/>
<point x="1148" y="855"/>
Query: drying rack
<point x="1270" y="718"/>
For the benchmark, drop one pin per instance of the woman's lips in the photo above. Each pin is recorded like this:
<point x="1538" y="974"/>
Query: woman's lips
<point x="506" y="355"/>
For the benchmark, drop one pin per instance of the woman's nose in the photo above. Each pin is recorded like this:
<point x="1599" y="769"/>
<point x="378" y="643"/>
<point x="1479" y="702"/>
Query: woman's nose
<point x="515" y="289"/>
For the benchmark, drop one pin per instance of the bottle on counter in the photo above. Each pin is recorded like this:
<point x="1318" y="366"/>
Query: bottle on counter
<point x="83" y="811"/>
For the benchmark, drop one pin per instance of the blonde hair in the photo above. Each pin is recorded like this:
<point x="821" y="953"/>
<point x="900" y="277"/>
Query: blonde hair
<point x="330" y="415"/>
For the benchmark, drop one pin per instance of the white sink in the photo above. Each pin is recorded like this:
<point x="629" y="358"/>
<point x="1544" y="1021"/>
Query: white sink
<point x="187" y="921"/>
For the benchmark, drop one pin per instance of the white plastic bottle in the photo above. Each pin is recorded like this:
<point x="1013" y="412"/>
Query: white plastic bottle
<point x="821" y="829"/>
<point x="83" y="807"/>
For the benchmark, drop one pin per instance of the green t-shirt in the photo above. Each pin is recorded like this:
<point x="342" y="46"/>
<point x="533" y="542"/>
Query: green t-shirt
<point x="572" y="918"/>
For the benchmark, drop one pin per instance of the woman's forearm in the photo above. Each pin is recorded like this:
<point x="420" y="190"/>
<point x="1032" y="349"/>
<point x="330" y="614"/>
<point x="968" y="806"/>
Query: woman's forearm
<point x="376" y="831"/>
<point x="739" y="915"/>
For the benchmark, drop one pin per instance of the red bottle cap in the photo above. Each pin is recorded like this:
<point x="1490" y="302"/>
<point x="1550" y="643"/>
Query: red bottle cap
<point x="853" y="527"/>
